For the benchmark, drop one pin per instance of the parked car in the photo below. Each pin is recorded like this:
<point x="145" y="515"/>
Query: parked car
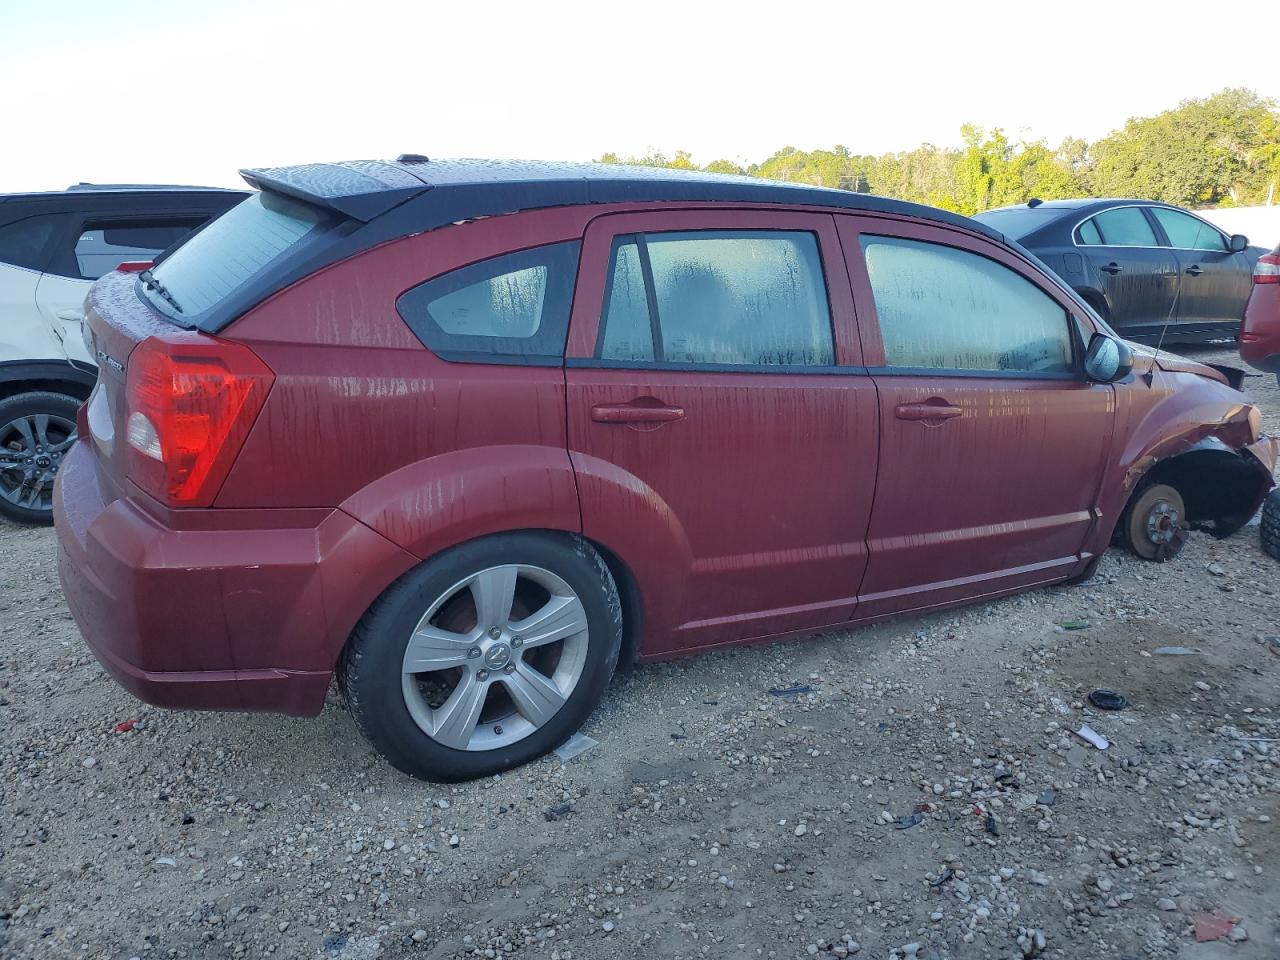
<point x="1260" y="329"/>
<point x="1155" y="273"/>
<point x="469" y="434"/>
<point x="52" y="247"/>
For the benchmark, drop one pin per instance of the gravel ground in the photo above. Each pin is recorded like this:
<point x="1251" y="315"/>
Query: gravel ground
<point x="924" y="796"/>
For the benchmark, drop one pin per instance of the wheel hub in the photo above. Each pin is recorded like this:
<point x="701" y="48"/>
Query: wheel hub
<point x="497" y="656"/>
<point x="1162" y="522"/>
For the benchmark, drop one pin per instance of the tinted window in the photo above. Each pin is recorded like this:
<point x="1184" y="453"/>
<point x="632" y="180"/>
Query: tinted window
<point x="1018" y="222"/>
<point x="1125" y="227"/>
<point x="232" y="250"/>
<point x="943" y="308"/>
<point x="513" y="307"/>
<point x="1187" y="231"/>
<point x="742" y="297"/>
<point x="25" y="243"/>
<point x="1088" y="233"/>
<point x="104" y="245"/>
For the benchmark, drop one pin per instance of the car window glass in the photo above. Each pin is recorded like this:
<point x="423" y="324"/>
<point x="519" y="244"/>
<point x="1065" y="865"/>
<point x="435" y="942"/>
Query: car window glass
<point x="1088" y="233"/>
<point x="628" y="333"/>
<point x="104" y="245"/>
<point x="1125" y="227"/>
<point x="742" y="297"/>
<point x="949" y="309"/>
<point x="512" y="307"/>
<point x="1188" y="232"/>
<point x="25" y="243"/>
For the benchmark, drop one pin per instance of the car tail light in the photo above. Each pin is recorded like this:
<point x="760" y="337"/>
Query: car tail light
<point x="1267" y="269"/>
<point x="191" y="401"/>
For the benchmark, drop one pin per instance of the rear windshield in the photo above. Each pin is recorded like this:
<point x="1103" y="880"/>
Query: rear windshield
<point x="1017" y="222"/>
<point x="229" y="253"/>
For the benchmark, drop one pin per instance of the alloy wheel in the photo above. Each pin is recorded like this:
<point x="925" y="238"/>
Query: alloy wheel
<point x="31" y="450"/>
<point x="495" y="657"/>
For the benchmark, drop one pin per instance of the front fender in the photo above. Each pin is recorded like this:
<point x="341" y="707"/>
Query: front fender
<point x="436" y="503"/>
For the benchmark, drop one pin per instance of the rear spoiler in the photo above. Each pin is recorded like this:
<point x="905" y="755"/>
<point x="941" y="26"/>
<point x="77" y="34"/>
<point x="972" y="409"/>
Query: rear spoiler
<point x="360" y="190"/>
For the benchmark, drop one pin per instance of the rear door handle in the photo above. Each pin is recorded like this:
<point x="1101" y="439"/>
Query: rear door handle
<point x="1195" y="270"/>
<point x="1112" y="268"/>
<point x="926" y="411"/>
<point x="635" y="413"/>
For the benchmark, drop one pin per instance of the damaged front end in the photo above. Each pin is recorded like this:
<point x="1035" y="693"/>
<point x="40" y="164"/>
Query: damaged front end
<point x="1222" y="485"/>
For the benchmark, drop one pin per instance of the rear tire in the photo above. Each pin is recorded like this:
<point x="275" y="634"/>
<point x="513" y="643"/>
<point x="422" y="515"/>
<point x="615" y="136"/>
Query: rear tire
<point x="1271" y="525"/>
<point x="1154" y="524"/>
<point x="36" y="431"/>
<point x="484" y="657"/>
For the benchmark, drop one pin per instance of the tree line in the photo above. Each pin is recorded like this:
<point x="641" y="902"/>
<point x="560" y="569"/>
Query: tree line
<point x="1217" y="151"/>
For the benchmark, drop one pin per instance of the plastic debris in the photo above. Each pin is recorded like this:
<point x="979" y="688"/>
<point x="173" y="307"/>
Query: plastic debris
<point x="557" y="811"/>
<point x="1105" y="699"/>
<point x="1175" y="652"/>
<point x="907" y="822"/>
<point x="166" y="862"/>
<point x="991" y="824"/>
<point x="1074" y="624"/>
<point x="947" y="874"/>
<point x="578" y="743"/>
<point x="125" y="726"/>
<point x="1211" y="925"/>
<point x="1090" y="735"/>
<point x="797" y="690"/>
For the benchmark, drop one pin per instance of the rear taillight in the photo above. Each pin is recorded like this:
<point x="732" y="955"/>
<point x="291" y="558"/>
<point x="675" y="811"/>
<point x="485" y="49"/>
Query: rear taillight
<point x="191" y="402"/>
<point x="1267" y="269"/>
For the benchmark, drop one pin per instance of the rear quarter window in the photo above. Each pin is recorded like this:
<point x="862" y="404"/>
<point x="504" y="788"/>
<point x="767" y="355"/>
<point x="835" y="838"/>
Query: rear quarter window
<point x="508" y="309"/>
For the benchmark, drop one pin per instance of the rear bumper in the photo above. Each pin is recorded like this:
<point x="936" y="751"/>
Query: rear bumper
<point x="238" y="610"/>
<point x="1260" y="331"/>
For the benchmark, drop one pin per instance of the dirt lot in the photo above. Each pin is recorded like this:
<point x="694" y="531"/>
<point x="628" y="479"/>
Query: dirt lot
<point x="713" y="819"/>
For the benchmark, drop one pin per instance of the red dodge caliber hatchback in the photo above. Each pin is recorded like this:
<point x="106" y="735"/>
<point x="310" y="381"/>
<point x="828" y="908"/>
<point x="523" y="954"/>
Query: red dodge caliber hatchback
<point x="468" y="433"/>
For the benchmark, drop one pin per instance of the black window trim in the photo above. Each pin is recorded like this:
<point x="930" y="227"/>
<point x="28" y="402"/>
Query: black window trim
<point x="474" y="348"/>
<point x="655" y="329"/>
<point x="1069" y="316"/>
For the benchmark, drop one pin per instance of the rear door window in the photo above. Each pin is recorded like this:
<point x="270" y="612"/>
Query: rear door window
<point x="735" y="297"/>
<point x="1088" y="234"/>
<point x="230" y="252"/>
<point x="102" y="245"/>
<point x="942" y="308"/>
<point x="1125" y="227"/>
<point x="508" y="309"/>
<point x="1188" y="232"/>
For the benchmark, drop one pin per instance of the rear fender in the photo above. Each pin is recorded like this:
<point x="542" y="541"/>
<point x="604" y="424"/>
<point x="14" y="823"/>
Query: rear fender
<point x="433" y="504"/>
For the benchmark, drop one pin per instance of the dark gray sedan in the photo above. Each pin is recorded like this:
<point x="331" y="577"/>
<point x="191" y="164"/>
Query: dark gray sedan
<point x="1139" y="263"/>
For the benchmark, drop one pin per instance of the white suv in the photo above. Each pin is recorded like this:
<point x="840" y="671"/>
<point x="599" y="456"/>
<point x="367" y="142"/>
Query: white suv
<point x="52" y="247"/>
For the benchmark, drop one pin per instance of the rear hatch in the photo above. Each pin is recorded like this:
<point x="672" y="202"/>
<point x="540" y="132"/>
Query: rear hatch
<point x="172" y="403"/>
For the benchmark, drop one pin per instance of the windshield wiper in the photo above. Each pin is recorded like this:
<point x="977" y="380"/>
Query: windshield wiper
<point x="151" y="283"/>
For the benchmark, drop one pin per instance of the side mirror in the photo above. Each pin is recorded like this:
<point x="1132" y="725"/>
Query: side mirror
<point x="1107" y="359"/>
<point x="1239" y="242"/>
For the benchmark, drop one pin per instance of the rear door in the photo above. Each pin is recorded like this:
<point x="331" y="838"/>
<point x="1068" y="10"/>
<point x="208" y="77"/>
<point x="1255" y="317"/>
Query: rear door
<point x="992" y="443"/>
<point x="1139" y="276"/>
<point x="1215" y="282"/>
<point x="721" y="427"/>
<point x="95" y="246"/>
<point x="26" y="245"/>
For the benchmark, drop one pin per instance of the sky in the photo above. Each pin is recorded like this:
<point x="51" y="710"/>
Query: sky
<point x="184" y="92"/>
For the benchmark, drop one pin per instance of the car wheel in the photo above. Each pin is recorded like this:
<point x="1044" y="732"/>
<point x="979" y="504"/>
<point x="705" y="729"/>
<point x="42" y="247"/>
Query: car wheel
<point x="36" y="431"/>
<point x="1271" y="525"/>
<point x="1154" y="525"/>
<point x="486" y="656"/>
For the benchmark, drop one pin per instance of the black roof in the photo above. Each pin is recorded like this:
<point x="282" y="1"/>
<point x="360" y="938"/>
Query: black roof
<point x="430" y="193"/>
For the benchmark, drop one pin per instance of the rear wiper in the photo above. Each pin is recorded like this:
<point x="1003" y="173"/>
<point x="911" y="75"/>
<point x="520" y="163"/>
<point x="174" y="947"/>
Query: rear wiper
<point x="149" y="281"/>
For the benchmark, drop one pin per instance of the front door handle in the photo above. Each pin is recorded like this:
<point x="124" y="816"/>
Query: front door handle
<point x="1112" y="268"/>
<point x="1195" y="270"/>
<point x="635" y="413"/>
<point x="936" y="410"/>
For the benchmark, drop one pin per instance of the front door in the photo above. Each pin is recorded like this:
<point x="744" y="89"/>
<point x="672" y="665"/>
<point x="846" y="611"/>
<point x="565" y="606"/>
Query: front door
<point x="1215" y="282"/>
<point x="721" y="428"/>
<point x="992" y="442"/>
